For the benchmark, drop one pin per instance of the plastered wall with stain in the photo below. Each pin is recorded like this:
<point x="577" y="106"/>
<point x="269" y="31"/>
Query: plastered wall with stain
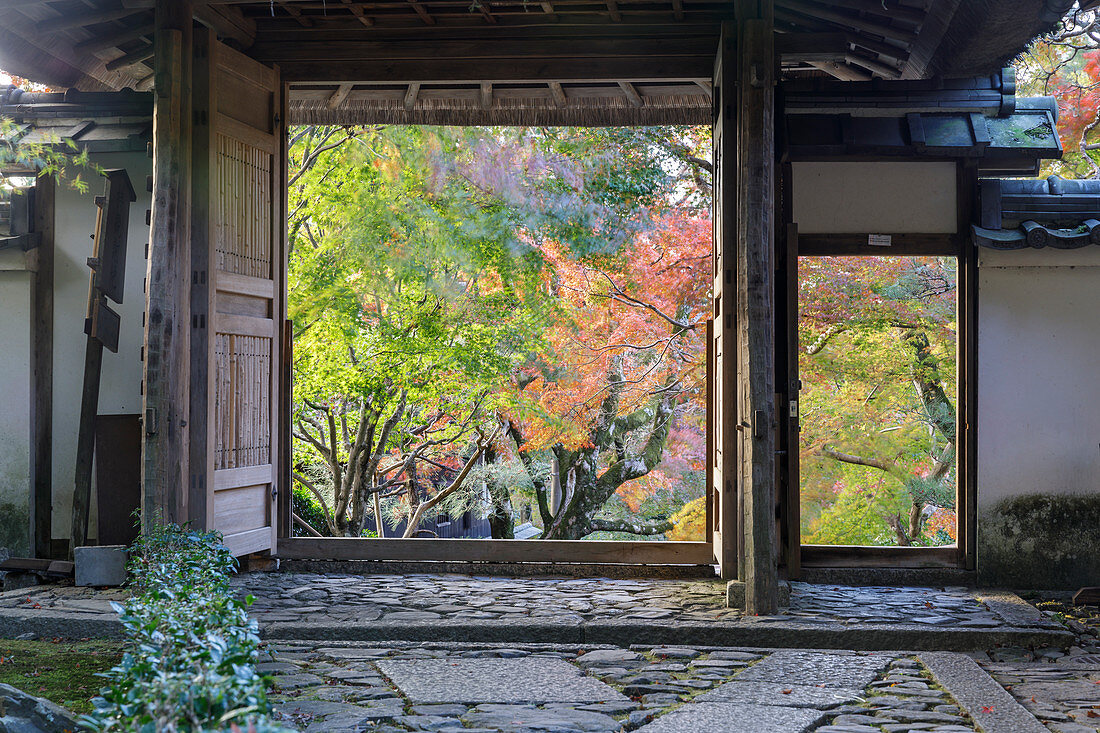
<point x="1039" y="418"/>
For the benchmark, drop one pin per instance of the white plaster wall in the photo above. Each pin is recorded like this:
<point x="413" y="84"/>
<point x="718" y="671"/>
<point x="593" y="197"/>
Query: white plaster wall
<point x="120" y="388"/>
<point x="16" y="297"/>
<point x="1038" y="373"/>
<point x="875" y="197"/>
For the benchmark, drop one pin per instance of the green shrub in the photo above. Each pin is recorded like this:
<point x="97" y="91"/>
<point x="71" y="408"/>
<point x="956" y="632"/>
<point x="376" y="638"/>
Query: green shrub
<point x="307" y="507"/>
<point x="190" y="661"/>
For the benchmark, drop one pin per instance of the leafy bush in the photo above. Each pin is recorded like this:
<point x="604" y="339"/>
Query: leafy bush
<point x="190" y="665"/>
<point x="306" y="506"/>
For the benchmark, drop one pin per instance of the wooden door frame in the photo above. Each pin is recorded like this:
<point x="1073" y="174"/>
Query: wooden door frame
<point x="480" y="551"/>
<point x="958" y="245"/>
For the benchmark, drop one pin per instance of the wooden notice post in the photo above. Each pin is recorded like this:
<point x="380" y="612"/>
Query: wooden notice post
<point x="108" y="265"/>
<point x="755" y="315"/>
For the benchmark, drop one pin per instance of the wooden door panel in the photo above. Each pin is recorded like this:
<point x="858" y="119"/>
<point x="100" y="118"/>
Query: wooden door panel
<point x="242" y="230"/>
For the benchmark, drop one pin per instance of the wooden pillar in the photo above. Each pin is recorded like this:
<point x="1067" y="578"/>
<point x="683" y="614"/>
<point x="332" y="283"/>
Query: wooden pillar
<point x="42" y="410"/>
<point x="167" y="284"/>
<point x="755" y="314"/>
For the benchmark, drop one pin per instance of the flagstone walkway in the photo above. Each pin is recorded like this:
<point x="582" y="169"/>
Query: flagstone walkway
<point x="529" y="688"/>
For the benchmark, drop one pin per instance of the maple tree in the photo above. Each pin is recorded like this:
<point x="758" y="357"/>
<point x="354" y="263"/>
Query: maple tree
<point x="877" y="361"/>
<point x="1065" y="64"/>
<point x="622" y="383"/>
<point x="429" y="269"/>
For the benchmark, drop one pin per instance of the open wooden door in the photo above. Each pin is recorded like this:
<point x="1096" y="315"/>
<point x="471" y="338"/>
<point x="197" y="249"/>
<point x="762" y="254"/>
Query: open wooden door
<point x="723" y="351"/>
<point x="237" y="294"/>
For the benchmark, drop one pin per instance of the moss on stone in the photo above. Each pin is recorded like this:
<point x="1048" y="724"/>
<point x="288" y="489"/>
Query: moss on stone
<point x="1041" y="541"/>
<point x="15" y="528"/>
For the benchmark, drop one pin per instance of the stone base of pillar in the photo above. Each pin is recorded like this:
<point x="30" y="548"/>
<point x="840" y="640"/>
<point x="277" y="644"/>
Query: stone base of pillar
<point x="735" y="594"/>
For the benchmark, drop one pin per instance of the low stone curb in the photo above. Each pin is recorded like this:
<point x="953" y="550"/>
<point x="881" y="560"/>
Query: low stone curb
<point x="744" y="633"/>
<point x="991" y="707"/>
<point x="59" y="624"/>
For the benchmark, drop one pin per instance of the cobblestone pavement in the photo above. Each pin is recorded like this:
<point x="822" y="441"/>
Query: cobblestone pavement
<point x="290" y="597"/>
<point x="656" y="690"/>
<point x="1060" y="686"/>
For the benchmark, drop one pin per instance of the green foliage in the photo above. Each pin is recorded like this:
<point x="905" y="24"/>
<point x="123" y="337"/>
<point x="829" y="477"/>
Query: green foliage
<point x="878" y="364"/>
<point x="190" y="664"/>
<point x="306" y="506"/>
<point x="49" y="156"/>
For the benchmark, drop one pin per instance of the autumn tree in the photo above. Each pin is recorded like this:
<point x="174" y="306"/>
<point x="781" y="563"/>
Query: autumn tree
<point x="877" y="342"/>
<point x="424" y="274"/>
<point x="1065" y="64"/>
<point x="622" y="372"/>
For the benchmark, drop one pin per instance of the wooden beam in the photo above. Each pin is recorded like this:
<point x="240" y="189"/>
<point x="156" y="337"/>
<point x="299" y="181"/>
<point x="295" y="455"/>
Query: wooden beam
<point x="631" y="94"/>
<point x="486" y="95"/>
<point x="846" y="556"/>
<point x="411" y="94"/>
<point x="76" y="20"/>
<point x="45" y="209"/>
<point x="101" y="41"/>
<point x="165" y="474"/>
<point x="496" y="551"/>
<point x="295" y="13"/>
<point x="755" y="316"/>
<point x="358" y="12"/>
<point x="229" y="22"/>
<point x="424" y="16"/>
<point x="858" y="23"/>
<point x="635" y="68"/>
<point x="339" y="96"/>
<point x="133" y="58"/>
<point x="613" y="11"/>
<point x="678" y="9"/>
<point x="558" y="93"/>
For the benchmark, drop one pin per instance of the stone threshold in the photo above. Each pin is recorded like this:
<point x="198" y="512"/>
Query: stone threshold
<point x="743" y="633"/>
<point x="750" y="632"/>
<point x="617" y="571"/>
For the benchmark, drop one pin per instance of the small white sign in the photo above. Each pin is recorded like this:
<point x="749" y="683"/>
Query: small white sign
<point x="879" y="240"/>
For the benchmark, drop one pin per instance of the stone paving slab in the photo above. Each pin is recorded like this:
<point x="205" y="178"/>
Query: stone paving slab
<point x="992" y="708"/>
<point x="473" y="681"/>
<point x="734" y="718"/>
<point x="778" y="693"/>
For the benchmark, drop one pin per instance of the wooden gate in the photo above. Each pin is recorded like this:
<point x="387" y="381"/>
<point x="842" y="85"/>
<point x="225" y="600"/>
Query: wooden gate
<point x="723" y="351"/>
<point x="237" y="296"/>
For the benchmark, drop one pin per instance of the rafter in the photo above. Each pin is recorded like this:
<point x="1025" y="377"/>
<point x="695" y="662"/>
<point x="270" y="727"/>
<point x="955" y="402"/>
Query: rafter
<point x="358" y="13"/>
<point x="631" y="93"/>
<point x="411" y="95"/>
<point x="339" y="96"/>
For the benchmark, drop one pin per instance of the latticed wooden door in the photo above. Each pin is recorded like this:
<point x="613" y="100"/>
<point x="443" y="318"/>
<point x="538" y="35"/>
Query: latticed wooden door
<point x="237" y="296"/>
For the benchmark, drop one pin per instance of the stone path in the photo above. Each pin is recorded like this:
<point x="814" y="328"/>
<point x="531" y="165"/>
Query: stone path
<point x="590" y="611"/>
<point x="529" y="688"/>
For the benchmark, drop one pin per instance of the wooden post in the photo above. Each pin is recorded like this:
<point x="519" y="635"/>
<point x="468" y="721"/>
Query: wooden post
<point x="755" y="315"/>
<point x="44" y="210"/>
<point x="165" y="450"/>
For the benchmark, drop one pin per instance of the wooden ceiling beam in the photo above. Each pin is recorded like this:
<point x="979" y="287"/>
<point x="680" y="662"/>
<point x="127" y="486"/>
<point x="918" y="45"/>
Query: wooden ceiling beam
<point x="101" y="41"/>
<point x="411" y="95"/>
<point x="558" y="93"/>
<point x="548" y="8"/>
<point x="424" y="15"/>
<point x="631" y="94"/>
<point x="76" y="20"/>
<point x="130" y="59"/>
<point x="358" y="12"/>
<point x="228" y="22"/>
<point x="486" y="95"/>
<point x="505" y="70"/>
<point x="863" y="25"/>
<point x="678" y="9"/>
<point x="877" y="67"/>
<point x="339" y="96"/>
<point x="842" y="71"/>
<point x="613" y="11"/>
<point x="295" y="13"/>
